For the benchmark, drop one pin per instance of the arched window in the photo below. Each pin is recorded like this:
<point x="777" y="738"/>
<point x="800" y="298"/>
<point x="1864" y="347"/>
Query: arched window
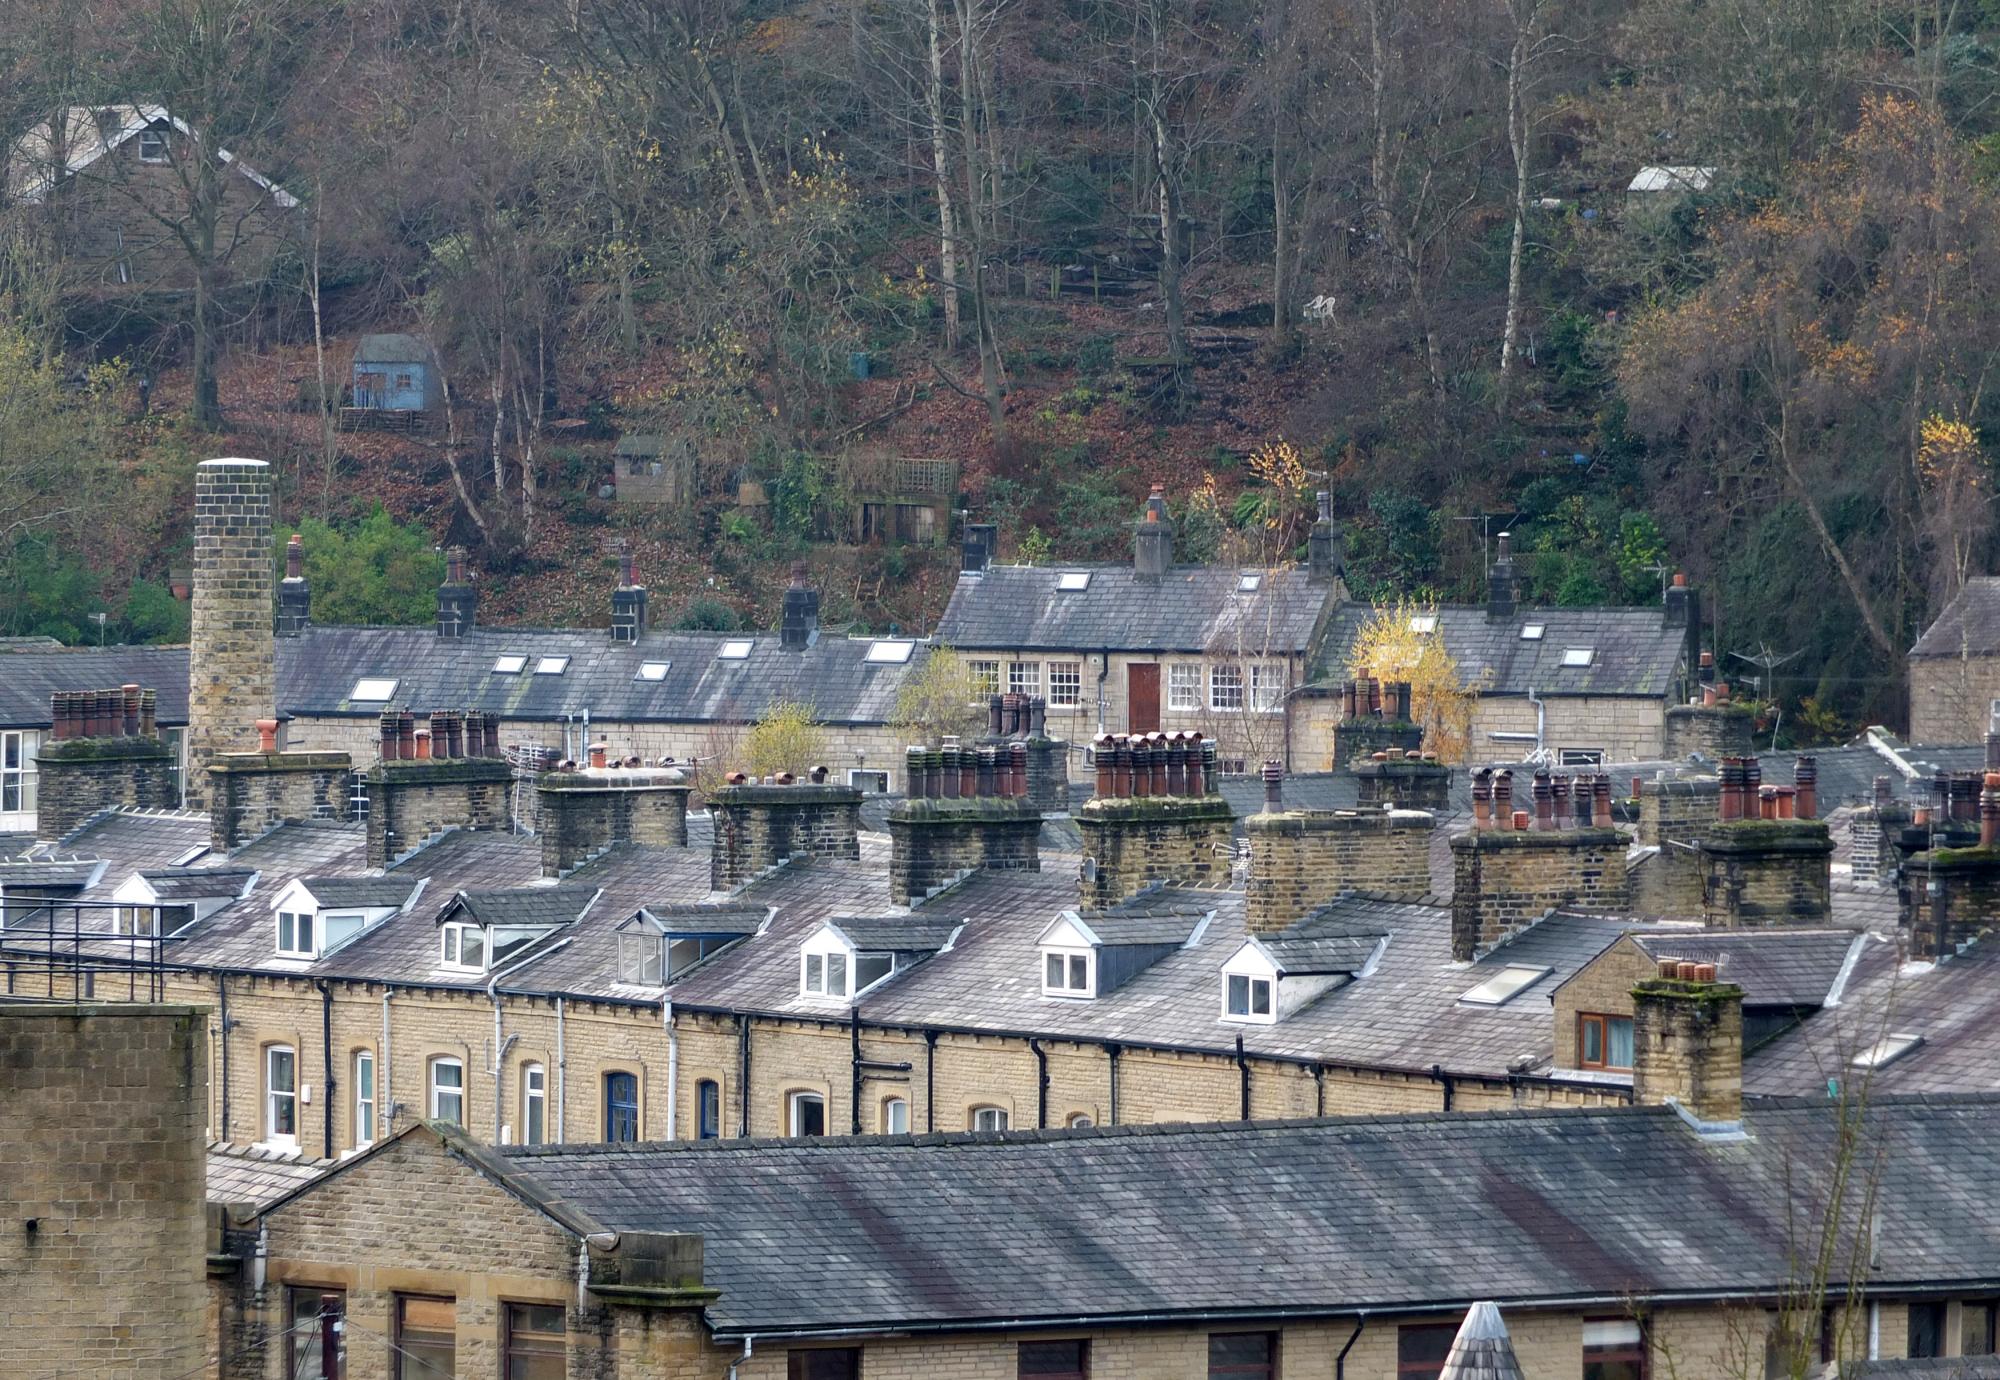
<point x="448" y="1090"/>
<point x="281" y="1092"/>
<point x="708" y="1109"/>
<point x="1079" y="1120"/>
<point x="808" y="1114"/>
<point x="534" y="1104"/>
<point x="895" y="1116"/>
<point x="621" y="1106"/>
<point x="989" y="1118"/>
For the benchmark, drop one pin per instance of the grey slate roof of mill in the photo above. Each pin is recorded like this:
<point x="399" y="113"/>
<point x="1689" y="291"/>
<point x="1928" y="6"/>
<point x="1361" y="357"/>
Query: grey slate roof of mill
<point x="1191" y="609"/>
<point x="1377" y="1214"/>
<point x="1635" y="651"/>
<point x="30" y="673"/>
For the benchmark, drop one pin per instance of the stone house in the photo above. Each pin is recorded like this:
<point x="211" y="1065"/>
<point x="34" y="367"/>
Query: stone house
<point x="32" y="670"/>
<point x="1955" y="668"/>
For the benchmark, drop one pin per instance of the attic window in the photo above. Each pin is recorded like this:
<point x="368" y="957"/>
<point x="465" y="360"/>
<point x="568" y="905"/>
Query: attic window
<point x="1423" y="622"/>
<point x="152" y="146"/>
<point x="551" y="665"/>
<point x="1504" y="985"/>
<point x="1887" y="1050"/>
<point x="1068" y="973"/>
<point x="1249" y="584"/>
<point x="890" y="653"/>
<point x="509" y="665"/>
<point x="1073" y="581"/>
<point x="652" y="670"/>
<point x="736" y="649"/>
<point x="1533" y="632"/>
<point x="377" y="688"/>
<point x="1579" y="656"/>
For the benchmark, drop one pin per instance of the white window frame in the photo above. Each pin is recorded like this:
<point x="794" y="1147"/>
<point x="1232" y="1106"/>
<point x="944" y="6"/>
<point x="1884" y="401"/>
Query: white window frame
<point x="1024" y="677"/>
<point x="1250" y="1015"/>
<point x="1065" y="684"/>
<point x="653" y="670"/>
<point x="451" y="937"/>
<point x="817" y="977"/>
<point x="277" y="1099"/>
<point x="1579" y="658"/>
<point x="383" y="686"/>
<point x="985" y="677"/>
<point x="291" y="924"/>
<point x="439" y="1091"/>
<point x="1073" y="581"/>
<point x="735" y="649"/>
<point x="1219" y="675"/>
<point x="1580" y="757"/>
<point x="1079" y="1121"/>
<point x="1267" y="687"/>
<point x="1070" y="959"/>
<point x="534" y="1103"/>
<point x="1184" y="687"/>
<point x="795" y="1105"/>
<point x="551" y="665"/>
<point x="157" y="138"/>
<point x="362" y="1131"/>
<point x="895" y="1110"/>
<point x="889" y="652"/>
<point x="22" y="779"/>
<point x="509" y="664"/>
<point x="988" y="1117"/>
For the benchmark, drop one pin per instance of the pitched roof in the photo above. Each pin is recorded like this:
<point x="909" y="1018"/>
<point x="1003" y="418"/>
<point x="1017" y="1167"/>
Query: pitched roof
<point x="256" y="1175"/>
<point x="1968" y="626"/>
<point x="392" y="348"/>
<point x="197" y="883"/>
<point x="89" y="133"/>
<point x="1482" y="1350"/>
<point x="523" y="905"/>
<point x="1322" y="1216"/>
<point x="1191" y="609"/>
<point x="895" y="934"/>
<point x="1634" y="651"/>
<point x="30" y="674"/>
<point x="1776" y="967"/>
<point x="364" y="893"/>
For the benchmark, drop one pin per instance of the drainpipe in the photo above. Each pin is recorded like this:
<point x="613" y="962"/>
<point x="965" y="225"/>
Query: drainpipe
<point x="562" y="1074"/>
<point x="854" y="1067"/>
<point x="743" y="1073"/>
<point x="1111" y="1058"/>
<point x="1103" y="674"/>
<point x="930" y="1080"/>
<point x="329" y="1086"/>
<point x="1319" y="1096"/>
<point x="500" y="1042"/>
<point x="749" y="1345"/>
<point x="1541" y="721"/>
<point x="1340" y="1361"/>
<point x="1041" y="1085"/>
<point x="222" y="1003"/>
<point x="673" y="1062"/>
<point x="1443" y="1080"/>
<point x="385" y="1106"/>
<point x="1243" y="1070"/>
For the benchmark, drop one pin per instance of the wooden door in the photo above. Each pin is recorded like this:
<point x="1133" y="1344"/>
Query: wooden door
<point x="1142" y="697"/>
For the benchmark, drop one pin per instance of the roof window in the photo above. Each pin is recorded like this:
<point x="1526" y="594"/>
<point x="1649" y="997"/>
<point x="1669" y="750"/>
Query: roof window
<point x="551" y="665"/>
<point x="1887" y="1050"/>
<point x="1579" y="656"/>
<point x="373" y="688"/>
<point x="652" y="670"/>
<point x="735" y="649"/>
<point x="890" y="653"/>
<point x="1533" y="632"/>
<point x="1504" y="985"/>
<point x="1423" y="622"/>
<point x="1073" y="581"/>
<point x="1249" y="584"/>
<point x="511" y="664"/>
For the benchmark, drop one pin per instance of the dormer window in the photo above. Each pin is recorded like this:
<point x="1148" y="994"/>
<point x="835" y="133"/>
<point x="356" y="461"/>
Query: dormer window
<point x="295" y="935"/>
<point x="833" y="967"/>
<point x="152" y="146"/>
<point x="464" y="947"/>
<point x="642" y="959"/>
<point x="1247" y="998"/>
<point x="1068" y="973"/>
<point x="825" y="976"/>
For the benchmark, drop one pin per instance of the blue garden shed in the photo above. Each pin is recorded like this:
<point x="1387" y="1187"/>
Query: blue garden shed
<point x="395" y="373"/>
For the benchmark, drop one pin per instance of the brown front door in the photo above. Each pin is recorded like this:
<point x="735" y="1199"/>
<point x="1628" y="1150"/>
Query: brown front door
<point x="1142" y="697"/>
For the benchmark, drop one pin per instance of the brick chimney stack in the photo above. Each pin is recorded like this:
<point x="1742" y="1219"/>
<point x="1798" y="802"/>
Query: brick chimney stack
<point x="628" y="601"/>
<point x="1687" y="1043"/>
<point x="294" y="596"/>
<point x="1153" y="538"/>
<point x="1500" y="590"/>
<point x="799" y="620"/>
<point x="232" y="672"/>
<point x="457" y="601"/>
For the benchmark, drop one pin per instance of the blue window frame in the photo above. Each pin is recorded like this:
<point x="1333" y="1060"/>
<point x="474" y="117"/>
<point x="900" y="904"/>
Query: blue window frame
<point x="708" y="1108"/>
<point x="621" y="1106"/>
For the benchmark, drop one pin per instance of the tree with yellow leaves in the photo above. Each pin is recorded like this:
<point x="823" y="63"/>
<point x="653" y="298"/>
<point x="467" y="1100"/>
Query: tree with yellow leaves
<point x="787" y="738"/>
<point x="1400" y="642"/>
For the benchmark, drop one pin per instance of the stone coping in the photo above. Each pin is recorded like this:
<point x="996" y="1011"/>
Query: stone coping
<point x="1166" y="808"/>
<point x="1486" y="839"/>
<point x="441" y="771"/>
<point x="1767" y="836"/>
<point x="997" y="809"/>
<point x="802" y="793"/>
<point x="99" y="749"/>
<point x="229" y="762"/>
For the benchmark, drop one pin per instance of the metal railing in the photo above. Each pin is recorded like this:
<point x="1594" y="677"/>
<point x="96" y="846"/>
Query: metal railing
<point x="54" y="950"/>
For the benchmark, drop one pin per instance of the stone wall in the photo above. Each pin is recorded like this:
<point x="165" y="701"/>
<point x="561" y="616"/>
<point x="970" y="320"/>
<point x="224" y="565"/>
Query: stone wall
<point x="1766" y="872"/>
<point x="103" y="1147"/>
<point x="252" y="792"/>
<point x="82" y="776"/>
<point x="1713" y="730"/>
<point x="932" y="842"/>
<point x="758" y="827"/>
<point x="1951" y="698"/>
<point x="1358" y="739"/>
<point x="1408" y="784"/>
<point x="1687" y="1045"/>
<point x="581" y="813"/>
<point x="1302" y="859"/>
<point x="1601" y="987"/>
<point x="232" y="668"/>
<point x="1505" y="879"/>
<point x="1625" y="728"/>
<point x="1673" y="817"/>
<point x="409" y="802"/>
<point x="1872" y="833"/>
<point x="1965" y="905"/>
<point x="1129" y="843"/>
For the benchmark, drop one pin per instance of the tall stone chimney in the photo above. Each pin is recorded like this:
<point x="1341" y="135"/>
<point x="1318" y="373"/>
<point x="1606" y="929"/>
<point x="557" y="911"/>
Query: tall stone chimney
<point x="232" y="655"/>
<point x="458" y="601"/>
<point x="294" y="596"/>
<point x="1500" y="589"/>
<point x="1323" y="546"/>
<point x="968" y="810"/>
<point x="1687" y="1043"/>
<point x="628" y="601"/>
<point x="758" y="826"/>
<point x="799" y="618"/>
<point x="976" y="547"/>
<point x="1506" y="876"/>
<point x="1153" y="538"/>
<point x="1157" y="816"/>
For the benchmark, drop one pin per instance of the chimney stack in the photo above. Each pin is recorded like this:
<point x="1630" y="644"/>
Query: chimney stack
<point x="976" y="547"/>
<point x="232" y="674"/>
<point x="1500" y="580"/>
<point x="448" y="775"/>
<point x="457" y="600"/>
<point x="628" y="600"/>
<point x="1687" y="1044"/>
<point x="1140" y="829"/>
<point x="102" y="753"/>
<point x="582" y="811"/>
<point x="1679" y="603"/>
<point x="968" y="809"/>
<point x="1153" y="538"/>
<point x="759" y="825"/>
<point x="1760" y="863"/>
<point x="1323" y="546"/>
<point x="799" y="621"/>
<point x="1302" y="859"/>
<point x="1507" y="876"/>
<point x="294" y="596"/>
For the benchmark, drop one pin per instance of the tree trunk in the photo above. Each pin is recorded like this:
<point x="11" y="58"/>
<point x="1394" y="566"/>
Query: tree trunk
<point x="947" y="232"/>
<point x="1282" y="251"/>
<point x="1517" y="144"/>
<point x="993" y="381"/>
<point x="1394" y="237"/>
<point x="1876" y="632"/>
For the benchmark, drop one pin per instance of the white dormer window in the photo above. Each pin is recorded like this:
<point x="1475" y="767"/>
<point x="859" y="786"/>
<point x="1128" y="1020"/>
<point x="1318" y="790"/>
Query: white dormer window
<point x="1504" y="985"/>
<point x="1249" y="584"/>
<point x="464" y="947"/>
<point x="825" y="975"/>
<point x="551" y="665"/>
<point x="831" y="969"/>
<point x="512" y="664"/>
<point x="295" y="934"/>
<point x="152" y="146"/>
<point x="1073" y="581"/>
<point x="1534" y="632"/>
<point x="1579" y="656"/>
<point x="652" y="670"/>
<point x="1069" y="973"/>
<point x="736" y="649"/>
<point x="1247" y="998"/>
<point x="1423" y="622"/>
<point x="890" y="653"/>
<point x="373" y="688"/>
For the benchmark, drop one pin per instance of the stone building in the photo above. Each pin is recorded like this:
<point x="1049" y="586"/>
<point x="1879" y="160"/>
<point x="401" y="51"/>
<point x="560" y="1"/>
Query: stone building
<point x="1955" y="668"/>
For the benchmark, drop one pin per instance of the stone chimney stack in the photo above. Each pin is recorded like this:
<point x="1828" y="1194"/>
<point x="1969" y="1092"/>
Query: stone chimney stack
<point x="628" y="601"/>
<point x="1323" y="546"/>
<point x="968" y="809"/>
<point x="1153" y="538"/>
<point x="1302" y="859"/>
<point x="1157" y="816"/>
<point x="294" y="596"/>
<point x="581" y="811"/>
<point x="1761" y="863"/>
<point x="1687" y="1043"/>
<point x="458" y="601"/>
<point x="1680" y="602"/>
<point x="1500" y="589"/>
<point x="1506" y="875"/>
<point x="799" y="620"/>
<point x="450" y="775"/>
<point x="760" y="824"/>
<point x="976" y="547"/>
<point x="102" y="753"/>
<point x="232" y="654"/>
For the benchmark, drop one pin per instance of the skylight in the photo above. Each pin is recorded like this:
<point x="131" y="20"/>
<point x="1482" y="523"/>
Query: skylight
<point x="1532" y="632"/>
<point x="1505" y="985"/>
<point x="1579" y="656"/>
<point x="1887" y="1050"/>
<point x="652" y="670"/>
<point x="1423" y="622"/>
<point x="890" y="653"/>
<point x="551" y="665"/>
<point x="1249" y="584"/>
<point x="509" y="665"/>
<point x="1070" y="581"/>
<point x="372" y="688"/>
<point x="736" y="649"/>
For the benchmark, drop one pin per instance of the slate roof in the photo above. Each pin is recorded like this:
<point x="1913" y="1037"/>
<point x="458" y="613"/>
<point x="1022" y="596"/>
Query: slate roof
<point x="197" y="883"/>
<point x="1330" y="955"/>
<point x="1926" y="1368"/>
<point x="361" y="893"/>
<point x="528" y="905"/>
<point x="1777" y="967"/>
<point x="1482" y="1350"/>
<point x="251" y="1174"/>
<point x="1968" y="626"/>
<point x="895" y="934"/>
<point x="391" y="347"/>
<point x="30" y="673"/>
<point x="1334" y="1216"/>
<point x="1636" y="651"/>
<point x="1192" y="609"/>
<point x="700" y="918"/>
<point x="48" y="874"/>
